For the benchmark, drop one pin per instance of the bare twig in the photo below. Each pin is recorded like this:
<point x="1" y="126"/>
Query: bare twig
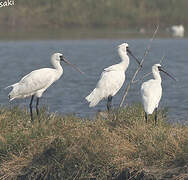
<point x="162" y="59"/>
<point x="141" y="79"/>
<point x="139" y="68"/>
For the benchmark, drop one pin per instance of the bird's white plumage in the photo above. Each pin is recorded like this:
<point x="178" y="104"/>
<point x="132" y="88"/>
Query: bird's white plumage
<point x="178" y="31"/>
<point x="111" y="80"/>
<point x="151" y="91"/>
<point x="36" y="82"/>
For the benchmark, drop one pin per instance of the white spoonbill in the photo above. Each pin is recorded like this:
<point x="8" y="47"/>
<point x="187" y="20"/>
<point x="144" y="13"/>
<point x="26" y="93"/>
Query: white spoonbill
<point x="178" y="31"/>
<point x="112" y="79"/>
<point x="36" y="82"/>
<point x="151" y="91"/>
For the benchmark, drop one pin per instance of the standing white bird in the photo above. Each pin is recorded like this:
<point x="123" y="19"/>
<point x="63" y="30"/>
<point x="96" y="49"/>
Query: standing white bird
<point x="112" y="79"/>
<point x="177" y="31"/>
<point x="151" y="91"/>
<point x="36" y="82"/>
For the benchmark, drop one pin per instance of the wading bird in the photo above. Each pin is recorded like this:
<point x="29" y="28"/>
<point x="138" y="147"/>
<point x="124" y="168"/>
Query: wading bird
<point x="177" y="31"/>
<point x="151" y="91"/>
<point x="112" y="79"/>
<point x="36" y="82"/>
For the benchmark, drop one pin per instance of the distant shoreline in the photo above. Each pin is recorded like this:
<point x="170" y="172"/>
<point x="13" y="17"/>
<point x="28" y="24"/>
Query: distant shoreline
<point x="77" y="33"/>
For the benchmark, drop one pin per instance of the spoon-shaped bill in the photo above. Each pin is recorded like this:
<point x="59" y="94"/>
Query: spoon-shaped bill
<point x="75" y="67"/>
<point x="128" y="50"/>
<point x="161" y="69"/>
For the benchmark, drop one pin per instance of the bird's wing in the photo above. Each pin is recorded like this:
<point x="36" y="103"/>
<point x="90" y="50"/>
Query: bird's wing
<point x="111" y="68"/>
<point x="36" y="80"/>
<point x="111" y="81"/>
<point x="151" y="94"/>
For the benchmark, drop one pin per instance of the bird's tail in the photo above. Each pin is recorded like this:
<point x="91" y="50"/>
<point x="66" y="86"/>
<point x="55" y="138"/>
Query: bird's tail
<point x="12" y="95"/>
<point x="94" y="97"/>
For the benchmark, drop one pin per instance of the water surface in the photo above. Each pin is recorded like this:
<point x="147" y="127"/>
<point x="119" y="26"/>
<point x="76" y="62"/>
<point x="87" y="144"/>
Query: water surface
<point x="67" y="95"/>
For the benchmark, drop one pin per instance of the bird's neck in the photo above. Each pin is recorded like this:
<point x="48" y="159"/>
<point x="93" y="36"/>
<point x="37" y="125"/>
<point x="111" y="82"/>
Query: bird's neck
<point x="124" y="60"/>
<point x="157" y="76"/>
<point x="57" y="66"/>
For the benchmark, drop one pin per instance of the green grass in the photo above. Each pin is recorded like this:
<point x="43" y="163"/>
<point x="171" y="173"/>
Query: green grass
<point x="69" y="147"/>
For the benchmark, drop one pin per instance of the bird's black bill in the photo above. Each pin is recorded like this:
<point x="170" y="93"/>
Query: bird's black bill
<point x="128" y="50"/>
<point x="76" y="68"/>
<point x="161" y="69"/>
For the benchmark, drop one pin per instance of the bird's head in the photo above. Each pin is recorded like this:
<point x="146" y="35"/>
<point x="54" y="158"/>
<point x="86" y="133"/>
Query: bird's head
<point x="156" y="67"/>
<point x="124" y="49"/>
<point x="57" y="57"/>
<point x="159" y="68"/>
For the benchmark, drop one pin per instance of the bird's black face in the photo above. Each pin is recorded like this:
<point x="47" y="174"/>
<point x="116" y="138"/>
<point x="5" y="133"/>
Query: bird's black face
<point x="61" y="58"/>
<point x="162" y="70"/>
<point x="129" y="51"/>
<point x="159" y="68"/>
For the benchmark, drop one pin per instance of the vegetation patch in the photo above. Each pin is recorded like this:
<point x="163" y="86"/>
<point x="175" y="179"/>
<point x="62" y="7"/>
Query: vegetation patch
<point x="111" y="146"/>
<point x="129" y="14"/>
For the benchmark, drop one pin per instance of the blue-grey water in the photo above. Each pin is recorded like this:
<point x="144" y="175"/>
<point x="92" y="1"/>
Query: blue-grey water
<point x="17" y="58"/>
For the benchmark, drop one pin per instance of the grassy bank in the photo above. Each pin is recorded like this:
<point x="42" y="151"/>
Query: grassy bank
<point x="129" y="14"/>
<point x="68" y="147"/>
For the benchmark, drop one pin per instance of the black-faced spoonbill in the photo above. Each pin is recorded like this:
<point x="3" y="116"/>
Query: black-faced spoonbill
<point x="151" y="91"/>
<point x="36" y="82"/>
<point x="112" y="79"/>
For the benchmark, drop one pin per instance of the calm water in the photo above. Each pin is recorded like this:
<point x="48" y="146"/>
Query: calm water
<point x="67" y="95"/>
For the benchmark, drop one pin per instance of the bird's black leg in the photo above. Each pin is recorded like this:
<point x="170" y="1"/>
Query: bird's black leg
<point x="37" y="104"/>
<point x="146" y="117"/>
<point x="156" y="115"/>
<point x="30" y="106"/>
<point x="109" y="103"/>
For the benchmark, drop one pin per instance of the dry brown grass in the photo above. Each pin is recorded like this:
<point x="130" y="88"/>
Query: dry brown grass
<point x="69" y="147"/>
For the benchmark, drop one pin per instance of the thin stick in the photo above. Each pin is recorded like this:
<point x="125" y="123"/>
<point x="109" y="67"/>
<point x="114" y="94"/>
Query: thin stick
<point x="162" y="59"/>
<point x="139" y="68"/>
<point x="141" y="79"/>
